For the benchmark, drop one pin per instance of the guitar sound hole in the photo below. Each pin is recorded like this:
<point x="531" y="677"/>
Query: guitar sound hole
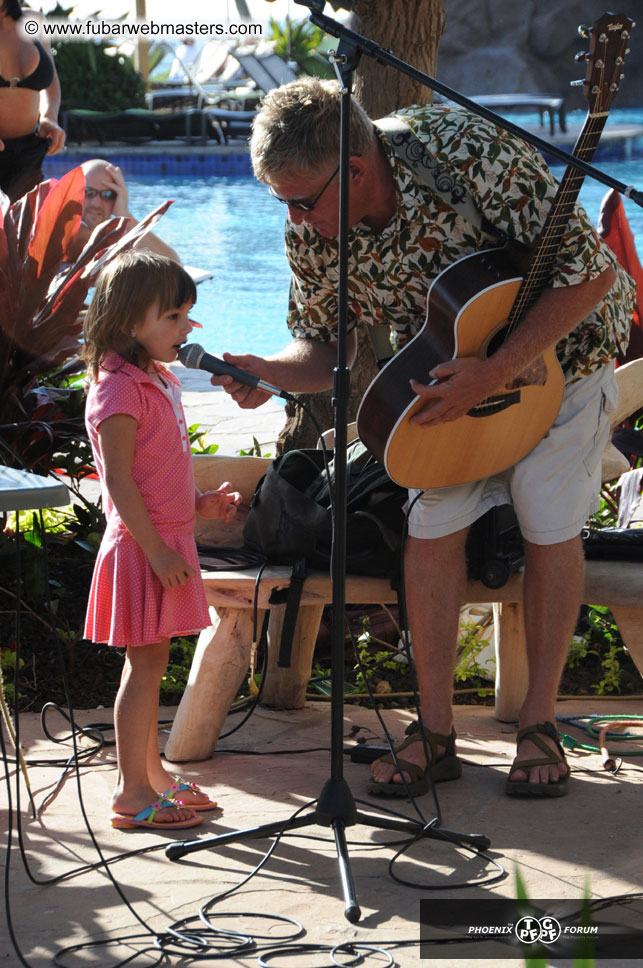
<point x="496" y="341"/>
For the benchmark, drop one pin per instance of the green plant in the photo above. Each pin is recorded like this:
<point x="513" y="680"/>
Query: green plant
<point x="604" y="632"/>
<point x="470" y="645"/>
<point x="7" y="673"/>
<point x="301" y="42"/>
<point x="94" y="76"/>
<point x="377" y="667"/>
<point x="176" y="675"/>
<point x="607" y="514"/>
<point x="197" y="440"/>
<point x="598" y="650"/>
<point x="254" y="451"/>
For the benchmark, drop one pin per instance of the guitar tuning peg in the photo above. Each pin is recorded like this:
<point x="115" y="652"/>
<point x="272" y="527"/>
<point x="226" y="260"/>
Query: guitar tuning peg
<point x="582" y="55"/>
<point x="576" y="83"/>
<point x="584" y="30"/>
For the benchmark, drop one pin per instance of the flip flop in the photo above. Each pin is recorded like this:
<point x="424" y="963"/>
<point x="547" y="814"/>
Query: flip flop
<point x="441" y="768"/>
<point x="181" y="784"/>
<point x="523" y="788"/>
<point x="124" y="821"/>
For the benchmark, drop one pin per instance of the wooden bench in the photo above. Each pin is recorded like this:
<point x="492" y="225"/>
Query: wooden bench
<point x="222" y="656"/>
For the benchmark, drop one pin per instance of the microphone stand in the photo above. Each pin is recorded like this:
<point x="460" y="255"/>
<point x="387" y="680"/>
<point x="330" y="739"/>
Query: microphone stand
<point x="335" y="806"/>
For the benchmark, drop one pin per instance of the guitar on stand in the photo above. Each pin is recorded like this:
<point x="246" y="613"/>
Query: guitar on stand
<point x="472" y="308"/>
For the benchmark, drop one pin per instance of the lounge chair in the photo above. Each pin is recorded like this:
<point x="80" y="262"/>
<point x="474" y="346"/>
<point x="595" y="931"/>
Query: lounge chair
<point x="267" y="70"/>
<point x="133" y="126"/>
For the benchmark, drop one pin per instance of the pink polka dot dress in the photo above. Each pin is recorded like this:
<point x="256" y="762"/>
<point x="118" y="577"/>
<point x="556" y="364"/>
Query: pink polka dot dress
<point x="127" y="603"/>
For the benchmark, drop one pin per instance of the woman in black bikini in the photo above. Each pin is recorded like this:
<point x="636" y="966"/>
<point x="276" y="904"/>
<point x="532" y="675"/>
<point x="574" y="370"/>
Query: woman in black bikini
<point x="29" y="102"/>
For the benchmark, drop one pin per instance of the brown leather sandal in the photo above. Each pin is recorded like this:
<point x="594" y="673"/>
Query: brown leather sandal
<point x="445" y="767"/>
<point x="523" y="788"/>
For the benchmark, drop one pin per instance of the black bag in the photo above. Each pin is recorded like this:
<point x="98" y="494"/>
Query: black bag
<point x="617" y="544"/>
<point x="290" y="522"/>
<point x="290" y="515"/>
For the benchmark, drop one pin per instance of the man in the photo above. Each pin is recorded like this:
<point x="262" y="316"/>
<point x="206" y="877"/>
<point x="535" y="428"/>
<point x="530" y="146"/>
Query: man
<point x="402" y="236"/>
<point x="106" y="196"/>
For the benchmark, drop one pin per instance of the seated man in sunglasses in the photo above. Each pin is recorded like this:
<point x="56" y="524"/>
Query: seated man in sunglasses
<point x="106" y="196"/>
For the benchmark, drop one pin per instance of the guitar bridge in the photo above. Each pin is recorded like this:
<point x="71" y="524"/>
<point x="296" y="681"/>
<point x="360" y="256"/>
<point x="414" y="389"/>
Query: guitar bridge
<point x="494" y="404"/>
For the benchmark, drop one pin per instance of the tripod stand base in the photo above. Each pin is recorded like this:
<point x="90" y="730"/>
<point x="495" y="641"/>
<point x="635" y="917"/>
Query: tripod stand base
<point x="334" y="794"/>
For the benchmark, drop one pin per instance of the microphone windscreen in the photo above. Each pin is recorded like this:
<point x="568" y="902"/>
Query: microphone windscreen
<point x="190" y="355"/>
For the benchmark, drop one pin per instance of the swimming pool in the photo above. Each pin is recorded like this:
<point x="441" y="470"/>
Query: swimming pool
<point x="231" y="225"/>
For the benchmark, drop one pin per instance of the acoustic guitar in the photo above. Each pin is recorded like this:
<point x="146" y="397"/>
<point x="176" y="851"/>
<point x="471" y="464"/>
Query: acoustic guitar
<point x="472" y="308"/>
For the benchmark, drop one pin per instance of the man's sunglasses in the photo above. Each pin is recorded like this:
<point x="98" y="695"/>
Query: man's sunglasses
<point x="301" y="204"/>
<point x="108" y="194"/>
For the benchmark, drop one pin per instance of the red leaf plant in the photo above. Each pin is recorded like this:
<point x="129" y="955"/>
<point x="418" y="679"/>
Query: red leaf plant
<point x="42" y="296"/>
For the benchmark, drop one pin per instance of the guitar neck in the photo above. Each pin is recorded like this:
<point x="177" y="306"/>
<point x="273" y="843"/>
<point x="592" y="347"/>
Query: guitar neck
<point x="557" y="221"/>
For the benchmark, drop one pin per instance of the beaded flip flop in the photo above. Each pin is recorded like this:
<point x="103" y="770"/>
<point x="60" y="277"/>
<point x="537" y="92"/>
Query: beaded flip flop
<point x="124" y="821"/>
<point x="178" y="786"/>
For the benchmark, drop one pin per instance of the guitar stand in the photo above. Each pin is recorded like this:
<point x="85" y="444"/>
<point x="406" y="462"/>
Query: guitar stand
<point x="335" y="806"/>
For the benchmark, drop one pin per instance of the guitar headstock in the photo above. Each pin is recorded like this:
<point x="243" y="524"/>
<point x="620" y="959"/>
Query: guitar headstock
<point x="608" y="36"/>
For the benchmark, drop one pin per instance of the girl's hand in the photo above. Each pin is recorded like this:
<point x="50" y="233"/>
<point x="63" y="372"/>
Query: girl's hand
<point x="221" y="503"/>
<point x="170" y="568"/>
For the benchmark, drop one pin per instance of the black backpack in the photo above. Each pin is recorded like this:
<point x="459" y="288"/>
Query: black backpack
<point x="290" y="522"/>
<point x="290" y="515"/>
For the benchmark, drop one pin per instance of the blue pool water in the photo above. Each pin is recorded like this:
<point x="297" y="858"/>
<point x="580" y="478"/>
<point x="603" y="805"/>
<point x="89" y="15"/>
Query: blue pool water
<point x="234" y="227"/>
<point x="231" y="225"/>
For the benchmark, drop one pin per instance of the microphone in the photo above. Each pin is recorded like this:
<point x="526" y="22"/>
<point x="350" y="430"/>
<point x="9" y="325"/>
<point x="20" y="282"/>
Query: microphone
<point x="195" y="358"/>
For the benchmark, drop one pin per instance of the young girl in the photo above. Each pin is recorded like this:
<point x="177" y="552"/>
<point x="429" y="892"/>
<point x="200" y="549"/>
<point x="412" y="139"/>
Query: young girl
<point x="146" y="586"/>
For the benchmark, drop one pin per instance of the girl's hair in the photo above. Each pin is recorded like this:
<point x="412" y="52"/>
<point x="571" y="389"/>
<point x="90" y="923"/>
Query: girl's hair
<point x="126" y="289"/>
<point x="297" y="128"/>
<point x="12" y="8"/>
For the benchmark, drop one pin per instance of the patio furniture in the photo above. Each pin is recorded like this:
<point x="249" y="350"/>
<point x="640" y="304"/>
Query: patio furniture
<point x="222" y="655"/>
<point x="229" y="125"/>
<point x="133" y="126"/>
<point x="23" y="491"/>
<point x="551" y="105"/>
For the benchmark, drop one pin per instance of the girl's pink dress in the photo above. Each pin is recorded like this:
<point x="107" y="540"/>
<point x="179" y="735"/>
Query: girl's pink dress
<point x="127" y="603"/>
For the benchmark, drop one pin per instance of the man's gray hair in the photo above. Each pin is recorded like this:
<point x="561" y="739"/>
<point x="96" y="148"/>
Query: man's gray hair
<point x="297" y="128"/>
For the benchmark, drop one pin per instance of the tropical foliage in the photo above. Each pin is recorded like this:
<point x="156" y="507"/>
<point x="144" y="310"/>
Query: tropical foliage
<point x="41" y="302"/>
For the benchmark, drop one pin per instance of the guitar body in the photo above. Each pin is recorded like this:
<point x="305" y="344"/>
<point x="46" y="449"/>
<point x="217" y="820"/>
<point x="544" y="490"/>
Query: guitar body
<point x="468" y="305"/>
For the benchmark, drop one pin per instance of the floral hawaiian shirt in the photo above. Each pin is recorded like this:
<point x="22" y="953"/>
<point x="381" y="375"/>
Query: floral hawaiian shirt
<point x="390" y="272"/>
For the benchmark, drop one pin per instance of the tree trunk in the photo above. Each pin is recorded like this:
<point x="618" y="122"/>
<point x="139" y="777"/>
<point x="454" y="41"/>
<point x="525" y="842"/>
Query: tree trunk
<point x="299" y="430"/>
<point x="412" y="30"/>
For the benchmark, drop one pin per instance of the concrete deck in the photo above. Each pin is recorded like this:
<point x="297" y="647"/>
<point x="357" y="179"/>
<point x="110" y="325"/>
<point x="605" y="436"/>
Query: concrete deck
<point x="226" y="424"/>
<point x="591" y="836"/>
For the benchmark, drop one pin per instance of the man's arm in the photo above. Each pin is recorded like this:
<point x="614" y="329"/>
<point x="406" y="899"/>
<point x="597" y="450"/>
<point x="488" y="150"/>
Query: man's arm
<point x="464" y="382"/>
<point x="150" y="242"/>
<point x="303" y="366"/>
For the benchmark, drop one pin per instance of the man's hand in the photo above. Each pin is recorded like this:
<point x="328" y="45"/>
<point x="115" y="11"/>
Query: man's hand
<point x="113" y="178"/>
<point x="248" y="398"/>
<point x="462" y="383"/>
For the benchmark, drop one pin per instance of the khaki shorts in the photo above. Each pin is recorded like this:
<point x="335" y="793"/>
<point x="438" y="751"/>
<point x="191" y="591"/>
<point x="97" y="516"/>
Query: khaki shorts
<point x="553" y="489"/>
